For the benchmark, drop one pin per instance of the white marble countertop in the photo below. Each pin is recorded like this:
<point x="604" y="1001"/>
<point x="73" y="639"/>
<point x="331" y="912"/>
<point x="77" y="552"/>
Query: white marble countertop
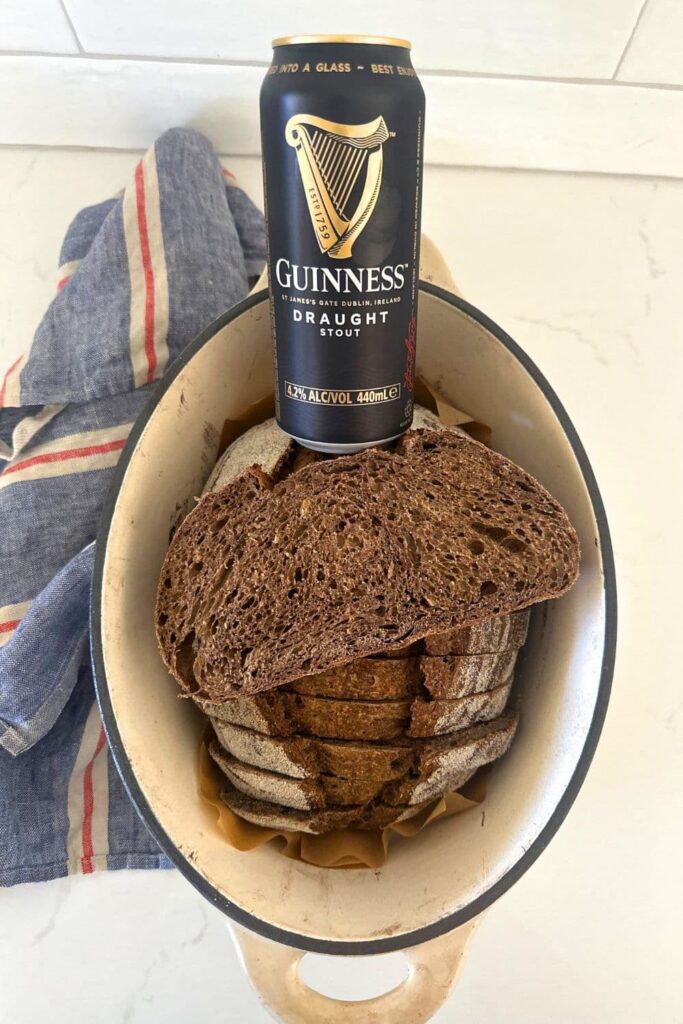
<point x="584" y="271"/>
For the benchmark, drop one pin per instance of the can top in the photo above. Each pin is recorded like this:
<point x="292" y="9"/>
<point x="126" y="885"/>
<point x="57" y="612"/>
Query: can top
<point x="369" y="40"/>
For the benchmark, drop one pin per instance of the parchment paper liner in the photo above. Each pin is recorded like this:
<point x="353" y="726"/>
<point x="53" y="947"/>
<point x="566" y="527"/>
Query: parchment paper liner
<point x="341" y="848"/>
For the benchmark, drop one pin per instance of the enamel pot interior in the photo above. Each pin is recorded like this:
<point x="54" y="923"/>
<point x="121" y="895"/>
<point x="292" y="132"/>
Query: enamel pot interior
<point x="456" y="868"/>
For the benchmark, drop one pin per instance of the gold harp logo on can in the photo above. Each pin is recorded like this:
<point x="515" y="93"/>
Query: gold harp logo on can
<point x="331" y="159"/>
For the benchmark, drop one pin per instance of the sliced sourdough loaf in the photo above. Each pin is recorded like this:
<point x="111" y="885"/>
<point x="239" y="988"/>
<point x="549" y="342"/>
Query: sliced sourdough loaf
<point x="280" y="713"/>
<point x="270" y="815"/>
<point x="264" y="583"/>
<point x="324" y="790"/>
<point x="306" y="757"/>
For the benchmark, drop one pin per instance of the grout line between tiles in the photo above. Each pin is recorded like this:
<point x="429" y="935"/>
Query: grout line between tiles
<point x="71" y="25"/>
<point x="541" y="79"/>
<point x="140" y="58"/>
<point x="630" y="39"/>
<point x="569" y="172"/>
<point x="612" y="82"/>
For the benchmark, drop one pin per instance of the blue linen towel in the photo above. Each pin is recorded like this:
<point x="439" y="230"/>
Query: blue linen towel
<point x="140" y="276"/>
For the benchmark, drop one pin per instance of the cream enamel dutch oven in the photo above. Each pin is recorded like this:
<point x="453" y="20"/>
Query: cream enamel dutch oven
<point x="426" y="900"/>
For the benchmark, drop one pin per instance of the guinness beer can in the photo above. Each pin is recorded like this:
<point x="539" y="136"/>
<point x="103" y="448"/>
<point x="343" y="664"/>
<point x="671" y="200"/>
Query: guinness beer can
<point x="342" y="122"/>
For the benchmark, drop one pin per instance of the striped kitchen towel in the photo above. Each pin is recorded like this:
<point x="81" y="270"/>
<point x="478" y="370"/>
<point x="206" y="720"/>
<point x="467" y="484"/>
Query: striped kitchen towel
<point x="140" y="275"/>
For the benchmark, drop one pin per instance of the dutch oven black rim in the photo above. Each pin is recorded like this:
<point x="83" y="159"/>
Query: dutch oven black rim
<point x="460" y="917"/>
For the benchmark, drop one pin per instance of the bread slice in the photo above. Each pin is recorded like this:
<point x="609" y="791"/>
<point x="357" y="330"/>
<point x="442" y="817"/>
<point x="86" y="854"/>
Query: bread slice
<point x="275" y="816"/>
<point x="269" y="448"/>
<point x="365" y="679"/>
<point x="264" y="446"/>
<point x="442" y="780"/>
<point x="461" y="675"/>
<point x="323" y="791"/>
<point x="305" y="757"/>
<point x="489" y="637"/>
<point x="440" y="717"/>
<point x="354" y="556"/>
<point x="404" y="678"/>
<point x="280" y="713"/>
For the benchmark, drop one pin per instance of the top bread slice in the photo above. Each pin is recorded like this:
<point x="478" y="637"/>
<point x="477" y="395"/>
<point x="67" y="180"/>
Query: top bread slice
<point x="264" y="583"/>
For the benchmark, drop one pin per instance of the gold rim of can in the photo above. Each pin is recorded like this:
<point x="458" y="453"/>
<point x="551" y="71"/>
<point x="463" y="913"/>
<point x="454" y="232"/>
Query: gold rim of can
<point x="370" y="40"/>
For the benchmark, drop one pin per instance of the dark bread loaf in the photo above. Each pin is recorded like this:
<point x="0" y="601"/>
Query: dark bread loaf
<point x="304" y="757"/>
<point x="284" y="714"/>
<point x="354" y="556"/>
<point x="325" y="790"/>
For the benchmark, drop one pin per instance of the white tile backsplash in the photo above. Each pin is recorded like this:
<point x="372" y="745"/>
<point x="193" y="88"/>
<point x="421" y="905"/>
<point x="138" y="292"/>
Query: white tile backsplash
<point x="125" y="104"/>
<point x="528" y="37"/>
<point x="656" y="52"/>
<point x="510" y="83"/>
<point x="35" y="25"/>
<point x="554" y="126"/>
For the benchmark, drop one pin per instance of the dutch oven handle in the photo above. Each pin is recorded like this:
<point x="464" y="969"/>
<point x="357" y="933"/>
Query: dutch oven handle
<point x="433" y="268"/>
<point x="273" y="971"/>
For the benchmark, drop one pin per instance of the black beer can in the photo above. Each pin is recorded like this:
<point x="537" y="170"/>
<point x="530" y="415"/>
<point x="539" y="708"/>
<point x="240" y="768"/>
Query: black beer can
<point x="342" y="124"/>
